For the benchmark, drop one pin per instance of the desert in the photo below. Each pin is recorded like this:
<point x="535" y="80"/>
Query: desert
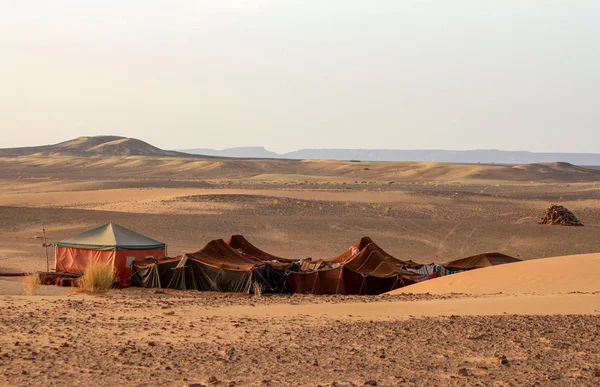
<point x="533" y="322"/>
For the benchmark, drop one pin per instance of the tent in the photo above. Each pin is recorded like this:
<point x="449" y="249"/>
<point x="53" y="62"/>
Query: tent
<point x="247" y="249"/>
<point x="153" y="273"/>
<point x="359" y="246"/>
<point x="111" y="244"/>
<point x="479" y="261"/>
<point x="219" y="267"/>
<point x="364" y="269"/>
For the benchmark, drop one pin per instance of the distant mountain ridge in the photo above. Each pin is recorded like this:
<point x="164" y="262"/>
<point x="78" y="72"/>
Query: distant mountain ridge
<point x="241" y="152"/>
<point x="124" y="146"/>
<point x="484" y="156"/>
<point x="122" y="157"/>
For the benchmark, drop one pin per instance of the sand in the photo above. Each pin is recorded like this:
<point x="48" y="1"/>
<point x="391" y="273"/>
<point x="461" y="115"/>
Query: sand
<point x="528" y="323"/>
<point x="170" y="338"/>
<point x="557" y="275"/>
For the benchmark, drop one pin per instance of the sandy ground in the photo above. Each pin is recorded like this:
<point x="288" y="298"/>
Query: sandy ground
<point x="147" y="338"/>
<point x="418" y="222"/>
<point x="530" y="323"/>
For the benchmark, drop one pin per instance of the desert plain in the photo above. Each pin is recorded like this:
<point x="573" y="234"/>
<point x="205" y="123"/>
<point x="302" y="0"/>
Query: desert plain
<point x="535" y="322"/>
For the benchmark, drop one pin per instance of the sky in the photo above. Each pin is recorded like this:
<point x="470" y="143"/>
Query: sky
<point x="292" y="74"/>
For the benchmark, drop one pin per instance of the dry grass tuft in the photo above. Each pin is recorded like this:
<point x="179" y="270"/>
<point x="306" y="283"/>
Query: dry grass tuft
<point x="257" y="289"/>
<point x="97" y="278"/>
<point x="32" y="284"/>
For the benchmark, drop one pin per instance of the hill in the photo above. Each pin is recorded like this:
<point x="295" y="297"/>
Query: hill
<point x="96" y="145"/>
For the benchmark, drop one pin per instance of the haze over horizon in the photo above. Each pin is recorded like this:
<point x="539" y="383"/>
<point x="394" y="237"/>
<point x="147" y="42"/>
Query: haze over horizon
<point x="508" y="75"/>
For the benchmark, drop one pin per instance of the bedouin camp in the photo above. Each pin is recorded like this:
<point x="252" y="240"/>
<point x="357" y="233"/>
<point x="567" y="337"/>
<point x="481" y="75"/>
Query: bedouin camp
<point x="239" y="266"/>
<point x="111" y="244"/>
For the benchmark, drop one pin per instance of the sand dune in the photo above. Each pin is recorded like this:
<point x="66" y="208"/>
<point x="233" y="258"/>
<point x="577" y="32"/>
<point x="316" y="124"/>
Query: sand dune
<point x="572" y="273"/>
<point x="124" y="162"/>
<point x="121" y="157"/>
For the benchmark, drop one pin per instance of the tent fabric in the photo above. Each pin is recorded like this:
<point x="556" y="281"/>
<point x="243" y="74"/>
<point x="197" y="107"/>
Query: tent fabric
<point x="365" y="268"/>
<point x="342" y="280"/>
<point x="219" y="267"/>
<point x="74" y="260"/>
<point x="361" y="245"/>
<point x="247" y="249"/>
<point x="272" y="279"/>
<point x="153" y="273"/>
<point x="479" y="261"/>
<point x="111" y="237"/>
<point x="218" y="254"/>
<point x="197" y="275"/>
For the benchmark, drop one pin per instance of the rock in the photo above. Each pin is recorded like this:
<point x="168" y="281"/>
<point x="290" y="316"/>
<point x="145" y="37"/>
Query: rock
<point x="464" y="372"/>
<point x="556" y="214"/>
<point x="230" y="351"/>
<point x="213" y="380"/>
<point x="370" y="382"/>
<point x="504" y="361"/>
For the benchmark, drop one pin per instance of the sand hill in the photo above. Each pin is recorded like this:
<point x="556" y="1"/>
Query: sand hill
<point x="96" y="145"/>
<point x="126" y="158"/>
<point x="574" y="273"/>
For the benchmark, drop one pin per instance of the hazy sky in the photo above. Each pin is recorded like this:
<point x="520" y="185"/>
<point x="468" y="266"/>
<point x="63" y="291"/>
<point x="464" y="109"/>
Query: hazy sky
<point x="460" y="74"/>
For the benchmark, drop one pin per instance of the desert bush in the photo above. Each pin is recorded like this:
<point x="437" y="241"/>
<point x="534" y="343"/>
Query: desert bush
<point x="257" y="289"/>
<point x="97" y="278"/>
<point x="32" y="284"/>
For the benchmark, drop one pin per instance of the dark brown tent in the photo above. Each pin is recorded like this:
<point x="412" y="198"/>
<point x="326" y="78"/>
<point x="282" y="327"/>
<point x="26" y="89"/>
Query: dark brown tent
<point x="248" y="250"/>
<point x="374" y="249"/>
<point x="479" y="261"/>
<point x="364" y="269"/>
<point x="219" y="267"/>
<point x="153" y="273"/>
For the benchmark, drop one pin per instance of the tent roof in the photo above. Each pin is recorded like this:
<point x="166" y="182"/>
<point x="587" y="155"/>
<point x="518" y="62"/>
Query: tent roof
<point x="111" y="237"/>
<point x="241" y="244"/>
<point x="480" y="260"/>
<point x="217" y="253"/>
<point x="362" y="245"/>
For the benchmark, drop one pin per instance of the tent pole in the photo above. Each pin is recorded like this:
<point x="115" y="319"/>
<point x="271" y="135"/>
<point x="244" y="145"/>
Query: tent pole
<point x="46" y="247"/>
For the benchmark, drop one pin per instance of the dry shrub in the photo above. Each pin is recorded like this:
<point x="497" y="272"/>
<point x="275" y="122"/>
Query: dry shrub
<point x="97" y="278"/>
<point x="32" y="284"/>
<point x="257" y="289"/>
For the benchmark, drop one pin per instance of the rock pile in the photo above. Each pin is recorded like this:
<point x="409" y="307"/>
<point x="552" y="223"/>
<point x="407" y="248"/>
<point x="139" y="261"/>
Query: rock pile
<point x="556" y="214"/>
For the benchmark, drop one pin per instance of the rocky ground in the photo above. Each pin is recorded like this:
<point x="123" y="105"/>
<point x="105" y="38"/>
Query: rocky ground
<point x="147" y="339"/>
